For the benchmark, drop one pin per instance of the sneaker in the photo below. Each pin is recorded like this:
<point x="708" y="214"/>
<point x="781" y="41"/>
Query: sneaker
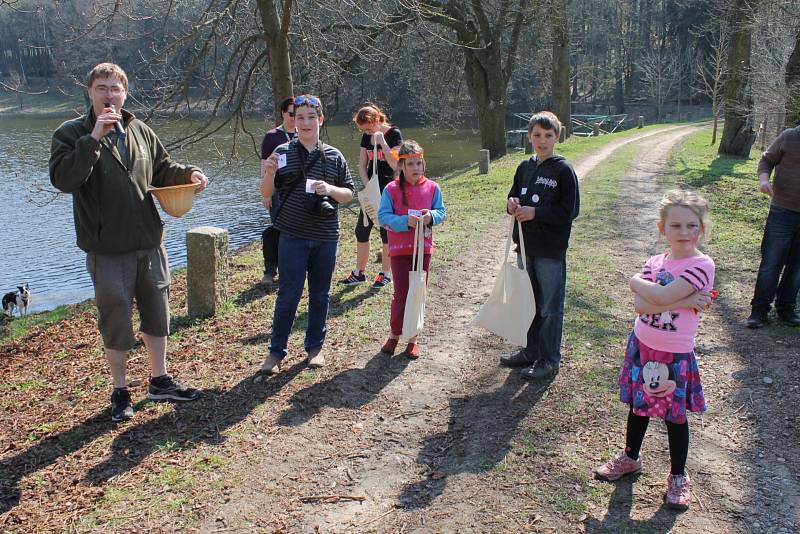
<point x="353" y="279"/>
<point x="788" y="316"/>
<point x="678" y="493"/>
<point x="121" y="409"/>
<point x="167" y="388"/>
<point x="389" y="347"/>
<point x="271" y="366"/>
<point x="315" y="358"/>
<point x="518" y="359"/>
<point x="412" y="351"/>
<point x="382" y="280"/>
<point x="540" y="370"/>
<point x="617" y="467"/>
<point x="757" y="319"/>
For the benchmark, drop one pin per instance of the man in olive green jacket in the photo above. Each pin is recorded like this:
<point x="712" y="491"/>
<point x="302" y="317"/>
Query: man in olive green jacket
<point x="107" y="160"/>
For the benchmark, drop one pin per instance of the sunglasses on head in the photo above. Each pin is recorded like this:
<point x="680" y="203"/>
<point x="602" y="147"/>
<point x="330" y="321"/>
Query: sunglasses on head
<point x="307" y="100"/>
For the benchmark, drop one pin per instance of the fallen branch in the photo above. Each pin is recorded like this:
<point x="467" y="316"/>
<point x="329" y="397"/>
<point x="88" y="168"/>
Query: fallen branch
<point x="333" y="498"/>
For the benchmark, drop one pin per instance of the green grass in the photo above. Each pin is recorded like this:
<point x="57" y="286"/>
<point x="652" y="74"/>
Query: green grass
<point x="15" y="328"/>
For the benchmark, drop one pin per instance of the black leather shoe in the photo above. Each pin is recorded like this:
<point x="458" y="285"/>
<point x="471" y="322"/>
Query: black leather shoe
<point x="789" y="317"/>
<point x="519" y="359"/>
<point x="757" y="319"/>
<point x="539" y="371"/>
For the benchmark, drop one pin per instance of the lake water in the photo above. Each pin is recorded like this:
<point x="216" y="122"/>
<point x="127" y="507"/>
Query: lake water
<point x="37" y="242"/>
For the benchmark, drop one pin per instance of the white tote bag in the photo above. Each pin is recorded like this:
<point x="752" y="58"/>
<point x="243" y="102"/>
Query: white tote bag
<point x="370" y="196"/>
<point x="414" y="316"/>
<point x="510" y="308"/>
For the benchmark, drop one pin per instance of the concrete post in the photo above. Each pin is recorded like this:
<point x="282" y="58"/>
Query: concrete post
<point x="641" y="121"/>
<point x="207" y="265"/>
<point x="527" y="144"/>
<point x="595" y="129"/>
<point x="483" y="161"/>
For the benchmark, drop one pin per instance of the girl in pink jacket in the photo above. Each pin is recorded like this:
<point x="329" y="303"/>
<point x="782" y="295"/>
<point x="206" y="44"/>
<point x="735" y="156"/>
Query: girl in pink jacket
<point x="409" y="200"/>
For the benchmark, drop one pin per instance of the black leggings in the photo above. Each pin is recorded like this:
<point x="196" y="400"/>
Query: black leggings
<point x="677" y="434"/>
<point x="362" y="231"/>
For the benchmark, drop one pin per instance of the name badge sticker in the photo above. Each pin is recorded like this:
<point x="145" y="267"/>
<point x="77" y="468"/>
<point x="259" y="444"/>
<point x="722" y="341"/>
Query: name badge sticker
<point x="281" y="161"/>
<point x="415" y="213"/>
<point x="523" y="191"/>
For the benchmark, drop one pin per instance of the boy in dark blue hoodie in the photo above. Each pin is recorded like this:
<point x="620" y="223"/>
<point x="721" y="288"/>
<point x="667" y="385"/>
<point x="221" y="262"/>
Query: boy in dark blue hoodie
<point x="545" y="199"/>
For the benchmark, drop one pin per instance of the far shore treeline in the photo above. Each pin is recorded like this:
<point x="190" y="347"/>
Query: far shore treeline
<point x="440" y="64"/>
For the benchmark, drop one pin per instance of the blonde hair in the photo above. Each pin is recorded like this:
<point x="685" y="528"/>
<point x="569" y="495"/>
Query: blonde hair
<point x="107" y="70"/>
<point x="691" y="201"/>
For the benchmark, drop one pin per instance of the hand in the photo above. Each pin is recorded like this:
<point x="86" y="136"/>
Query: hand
<point x="427" y="218"/>
<point x="412" y="221"/>
<point x="271" y="165"/>
<point x="198" y="177"/>
<point x="105" y="122"/>
<point x="378" y="139"/>
<point x="267" y="203"/>
<point x="765" y="187"/>
<point x="701" y="300"/>
<point x="524" y="213"/>
<point x="321" y="188"/>
<point x="512" y="205"/>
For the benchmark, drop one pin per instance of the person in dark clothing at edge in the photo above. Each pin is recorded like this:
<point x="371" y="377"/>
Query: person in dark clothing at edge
<point x="779" y="272"/>
<point x="107" y="159"/>
<point x="545" y="199"/>
<point x="283" y="133"/>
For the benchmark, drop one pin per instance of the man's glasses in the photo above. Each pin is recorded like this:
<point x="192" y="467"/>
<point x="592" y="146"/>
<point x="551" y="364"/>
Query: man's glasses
<point x="307" y="100"/>
<point x="114" y="89"/>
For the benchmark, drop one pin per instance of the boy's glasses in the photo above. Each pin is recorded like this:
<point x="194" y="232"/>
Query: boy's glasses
<point x="307" y="100"/>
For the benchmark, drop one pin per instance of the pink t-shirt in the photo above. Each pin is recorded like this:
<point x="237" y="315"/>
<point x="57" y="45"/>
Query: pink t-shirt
<point x="674" y="331"/>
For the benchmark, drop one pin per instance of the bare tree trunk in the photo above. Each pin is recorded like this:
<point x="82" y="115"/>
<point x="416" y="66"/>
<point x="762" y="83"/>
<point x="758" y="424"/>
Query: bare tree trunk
<point x="793" y="85"/>
<point x="487" y="91"/>
<point x="738" y="135"/>
<point x="560" y="69"/>
<point x="276" y="33"/>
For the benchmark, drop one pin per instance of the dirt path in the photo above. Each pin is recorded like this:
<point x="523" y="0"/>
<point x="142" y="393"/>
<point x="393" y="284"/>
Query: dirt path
<point x="739" y="485"/>
<point x="413" y="439"/>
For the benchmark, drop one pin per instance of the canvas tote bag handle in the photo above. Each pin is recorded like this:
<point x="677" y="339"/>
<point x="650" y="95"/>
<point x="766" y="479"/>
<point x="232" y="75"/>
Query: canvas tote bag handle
<point x="419" y="247"/>
<point x="508" y="249"/>
<point x="364" y="219"/>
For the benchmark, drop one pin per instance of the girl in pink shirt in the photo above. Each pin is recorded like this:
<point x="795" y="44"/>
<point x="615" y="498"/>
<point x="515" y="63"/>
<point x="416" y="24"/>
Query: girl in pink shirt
<point x="409" y="200"/>
<point x="659" y="376"/>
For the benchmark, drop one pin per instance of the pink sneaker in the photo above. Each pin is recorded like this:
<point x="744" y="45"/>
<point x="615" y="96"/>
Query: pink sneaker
<point x="618" y="466"/>
<point x="678" y="492"/>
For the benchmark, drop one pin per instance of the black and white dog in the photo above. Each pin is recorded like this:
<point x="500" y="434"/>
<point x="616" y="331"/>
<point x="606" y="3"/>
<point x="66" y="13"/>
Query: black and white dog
<point x="19" y="299"/>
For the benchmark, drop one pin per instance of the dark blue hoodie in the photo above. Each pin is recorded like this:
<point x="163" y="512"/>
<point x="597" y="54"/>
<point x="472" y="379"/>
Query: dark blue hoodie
<point x="552" y="188"/>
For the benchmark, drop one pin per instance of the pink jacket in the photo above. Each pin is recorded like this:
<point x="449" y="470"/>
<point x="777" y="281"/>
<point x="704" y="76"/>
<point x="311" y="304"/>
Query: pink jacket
<point x="393" y="213"/>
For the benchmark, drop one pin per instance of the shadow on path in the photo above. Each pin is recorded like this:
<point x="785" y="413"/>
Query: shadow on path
<point x="350" y="389"/>
<point x="618" y="518"/>
<point x="477" y="438"/>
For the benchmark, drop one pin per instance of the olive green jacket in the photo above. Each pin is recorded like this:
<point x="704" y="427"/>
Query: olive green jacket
<point x="112" y="209"/>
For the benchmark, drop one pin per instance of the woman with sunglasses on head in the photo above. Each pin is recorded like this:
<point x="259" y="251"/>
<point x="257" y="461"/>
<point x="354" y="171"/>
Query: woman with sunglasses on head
<point x="377" y="131"/>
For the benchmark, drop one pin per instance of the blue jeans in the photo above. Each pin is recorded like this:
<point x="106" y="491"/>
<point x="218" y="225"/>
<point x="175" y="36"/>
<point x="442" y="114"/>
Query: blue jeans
<point x="296" y="257"/>
<point x="549" y="280"/>
<point x="780" y="260"/>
